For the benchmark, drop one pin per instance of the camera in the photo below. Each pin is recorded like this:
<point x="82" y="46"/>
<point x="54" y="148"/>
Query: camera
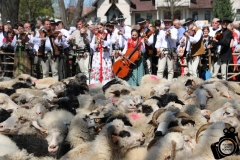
<point x="227" y="145"/>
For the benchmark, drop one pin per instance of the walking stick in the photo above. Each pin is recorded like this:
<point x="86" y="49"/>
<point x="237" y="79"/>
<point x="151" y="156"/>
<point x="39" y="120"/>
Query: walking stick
<point x="209" y="59"/>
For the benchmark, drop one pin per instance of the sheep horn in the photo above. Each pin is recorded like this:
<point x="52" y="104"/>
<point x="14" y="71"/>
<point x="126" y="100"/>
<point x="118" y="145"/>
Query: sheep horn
<point x="153" y="142"/>
<point x="202" y="128"/>
<point x="210" y="94"/>
<point x="182" y="115"/>
<point x="173" y="150"/>
<point x="175" y="129"/>
<point x="156" y="114"/>
<point x="14" y="95"/>
<point x="110" y="131"/>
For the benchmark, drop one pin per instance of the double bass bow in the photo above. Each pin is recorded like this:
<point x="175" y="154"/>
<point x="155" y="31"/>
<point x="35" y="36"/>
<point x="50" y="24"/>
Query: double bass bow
<point x="122" y="67"/>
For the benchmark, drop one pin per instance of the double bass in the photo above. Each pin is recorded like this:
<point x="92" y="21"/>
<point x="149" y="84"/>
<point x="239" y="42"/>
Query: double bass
<point x="122" y="67"/>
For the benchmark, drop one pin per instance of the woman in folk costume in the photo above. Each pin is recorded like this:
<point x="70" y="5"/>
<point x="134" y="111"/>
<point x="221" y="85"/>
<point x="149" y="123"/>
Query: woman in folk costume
<point x="134" y="78"/>
<point x="101" y="62"/>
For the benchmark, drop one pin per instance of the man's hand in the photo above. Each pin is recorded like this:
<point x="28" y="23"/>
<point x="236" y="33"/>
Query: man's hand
<point x="19" y="41"/>
<point x="215" y="40"/>
<point x="74" y="47"/>
<point x="43" y="39"/>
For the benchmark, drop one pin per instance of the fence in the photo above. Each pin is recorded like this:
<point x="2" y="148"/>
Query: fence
<point x="73" y="72"/>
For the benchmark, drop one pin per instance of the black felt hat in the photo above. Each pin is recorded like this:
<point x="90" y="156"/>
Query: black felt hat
<point x="120" y="17"/>
<point x="52" y="22"/>
<point x="141" y="20"/>
<point x="187" y="21"/>
<point x="225" y="19"/>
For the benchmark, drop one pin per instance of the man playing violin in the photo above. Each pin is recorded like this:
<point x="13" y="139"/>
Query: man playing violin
<point x="145" y="33"/>
<point x="46" y="48"/>
<point x="21" y="43"/>
<point x="194" y="46"/>
<point x="120" y="34"/>
<point x="81" y="39"/>
<point x="166" y="45"/>
<point x="63" y="46"/>
<point x="225" y="52"/>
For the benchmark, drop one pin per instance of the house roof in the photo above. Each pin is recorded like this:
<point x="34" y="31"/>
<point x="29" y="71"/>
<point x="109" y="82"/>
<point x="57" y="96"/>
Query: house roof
<point x="87" y="10"/>
<point x="201" y="4"/>
<point x="95" y="2"/>
<point x="142" y="5"/>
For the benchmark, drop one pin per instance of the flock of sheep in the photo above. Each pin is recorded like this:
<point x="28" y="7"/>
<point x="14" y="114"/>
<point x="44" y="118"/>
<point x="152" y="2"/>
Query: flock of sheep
<point x="158" y="120"/>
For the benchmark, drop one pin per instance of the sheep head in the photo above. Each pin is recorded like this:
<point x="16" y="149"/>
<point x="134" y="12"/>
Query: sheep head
<point x="122" y="136"/>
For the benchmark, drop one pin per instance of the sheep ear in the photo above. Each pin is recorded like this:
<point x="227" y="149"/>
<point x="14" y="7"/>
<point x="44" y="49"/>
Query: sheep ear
<point x="115" y="138"/>
<point x="54" y="106"/>
<point x="209" y="94"/>
<point x="150" y="122"/>
<point x="179" y="102"/>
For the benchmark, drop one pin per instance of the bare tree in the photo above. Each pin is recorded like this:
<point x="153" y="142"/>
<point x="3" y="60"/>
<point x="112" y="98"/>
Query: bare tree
<point x="78" y="11"/>
<point x="9" y="10"/>
<point x="174" y="5"/>
<point x="63" y="12"/>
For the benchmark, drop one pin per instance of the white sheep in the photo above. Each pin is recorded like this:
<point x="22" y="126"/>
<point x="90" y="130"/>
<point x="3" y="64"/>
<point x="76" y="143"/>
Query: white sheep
<point x="55" y="124"/>
<point x="79" y="132"/>
<point x="7" y="103"/>
<point x="112" y="143"/>
<point x="126" y="104"/>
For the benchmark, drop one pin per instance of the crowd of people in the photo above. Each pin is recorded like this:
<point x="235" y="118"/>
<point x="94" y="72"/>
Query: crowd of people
<point x="103" y="51"/>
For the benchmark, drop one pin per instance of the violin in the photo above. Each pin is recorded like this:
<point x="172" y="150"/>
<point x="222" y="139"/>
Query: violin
<point x="83" y="30"/>
<point x="190" y="32"/>
<point x="218" y="36"/>
<point x="24" y="37"/>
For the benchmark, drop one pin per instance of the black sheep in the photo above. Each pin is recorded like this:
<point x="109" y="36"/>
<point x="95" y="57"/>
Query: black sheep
<point x="37" y="146"/>
<point x="166" y="98"/>
<point x="66" y="103"/>
<point x="4" y="114"/>
<point x="7" y="91"/>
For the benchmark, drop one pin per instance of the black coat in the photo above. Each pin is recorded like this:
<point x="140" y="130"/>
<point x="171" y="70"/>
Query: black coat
<point x="226" y="51"/>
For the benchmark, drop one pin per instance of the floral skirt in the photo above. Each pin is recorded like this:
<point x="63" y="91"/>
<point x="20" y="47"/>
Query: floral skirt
<point x="106" y="64"/>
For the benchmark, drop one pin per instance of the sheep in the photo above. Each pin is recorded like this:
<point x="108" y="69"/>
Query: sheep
<point x="126" y="104"/>
<point x="95" y="89"/>
<point x="166" y="146"/>
<point x="7" y="103"/>
<point x="20" y="121"/>
<point x="23" y="78"/>
<point x="115" y="81"/>
<point x="45" y="82"/>
<point x="151" y="79"/>
<point x="7" y="146"/>
<point x="86" y="104"/>
<point x="160" y="89"/>
<point x="202" y="150"/>
<point x="79" y="132"/>
<point x="4" y="114"/>
<point x="137" y="153"/>
<point x="54" y="124"/>
<point x="112" y="143"/>
<point x="137" y="97"/>
<point x="226" y="111"/>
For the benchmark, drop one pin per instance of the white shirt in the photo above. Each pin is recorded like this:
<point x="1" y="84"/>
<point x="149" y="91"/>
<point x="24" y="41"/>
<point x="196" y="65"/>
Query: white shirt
<point x="1" y="39"/>
<point x="212" y="32"/>
<point x="194" y="39"/>
<point x="14" y="41"/>
<point x="164" y="41"/>
<point x="37" y="43"/>
<point x="122" y="38"/>
<point x="105" y="43"/>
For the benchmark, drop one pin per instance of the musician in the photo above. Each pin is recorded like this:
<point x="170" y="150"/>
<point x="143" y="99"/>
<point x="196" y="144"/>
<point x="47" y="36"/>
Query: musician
<point x="21" y="43"/>
<point x="166" y="45"/>
<point x="110" y="30"/>
<point x="121" y="33"/>
<point x="144" y="31"/>
<point x="194" y="46"/>
<point x="101" y="62"/>
<point x="215" y="27"/>
<point x="82" y="38"/>
<point x="138" y="71"/>
<point x="152" y="41"/>
<point x="226" y="52"/>
<point x="46" y="48"/>
<point x="63" y="46"/>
